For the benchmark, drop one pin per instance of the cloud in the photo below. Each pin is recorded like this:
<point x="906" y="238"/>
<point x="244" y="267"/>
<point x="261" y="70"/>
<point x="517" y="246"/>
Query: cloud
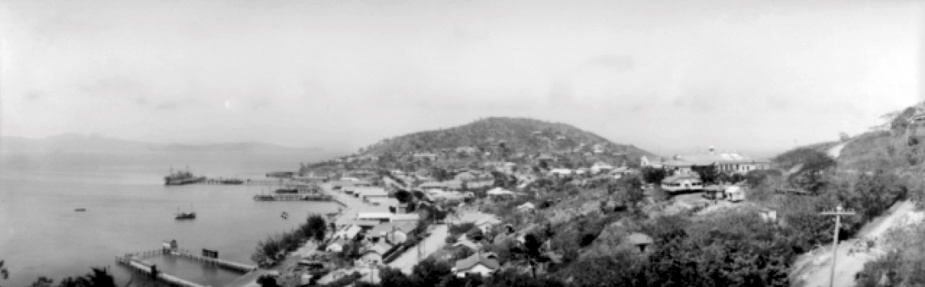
<point x="561" y="93"/>
<point x="110" y="86"/>
<point x="616" y="63"/>
<point x="166" y="106"/>
<point x="33" y="96"/>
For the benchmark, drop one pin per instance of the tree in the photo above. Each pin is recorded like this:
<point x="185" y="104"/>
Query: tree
<point x="4" y="273"/>
<point x="393" y="277"/>
<point x="317" y="225"/>
<point x="708" y="173"/>
<point x="403" y="196"/>
<point x="99" y="277"/>
<point x="267" y="281"/>
<point x="653" y="175"/>
<point x="42" y="281"/>
<point x="430" y="272"/>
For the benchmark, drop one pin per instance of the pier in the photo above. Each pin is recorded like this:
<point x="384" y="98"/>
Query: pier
<point x="293" y="197"/>
<point x="134" y="264"/>
<point x="137" y="262"/>
<point x="236" y="181"/>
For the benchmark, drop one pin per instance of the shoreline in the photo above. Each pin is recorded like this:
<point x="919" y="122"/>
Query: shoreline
<point x="350" y="204"/>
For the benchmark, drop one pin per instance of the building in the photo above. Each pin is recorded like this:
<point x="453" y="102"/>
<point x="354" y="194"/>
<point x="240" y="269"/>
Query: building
<point x="347" y="232"/>
<point x="394" y="232"/>
<point x="561" y="172"/>
<point x="336" y="245"/>
<point x="526" y="207"/>
<point x="727" y="162"/>
<point x="639" y="240"/>
<point x="367" y="193"/>
<point x="425" y="156"/>
<point x="681" y="182"/>
<point x="734" y="193"/>
<point x="483" y="264"/>
<point x="374" y="253"/>
<point x="600" y="167"/>
<point x="485" y="224"/>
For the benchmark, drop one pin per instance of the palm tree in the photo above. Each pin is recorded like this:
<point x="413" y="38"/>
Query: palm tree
<point x="531" y="251"/>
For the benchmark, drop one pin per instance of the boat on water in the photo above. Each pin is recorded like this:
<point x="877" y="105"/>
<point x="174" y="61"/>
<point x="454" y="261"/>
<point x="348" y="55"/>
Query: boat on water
<point x="286" y="191"/>
<point x="80" y="209"/>
<point x="181" y="215"/>
<point x="182" y="177"/>
<point x="186" y="215"/>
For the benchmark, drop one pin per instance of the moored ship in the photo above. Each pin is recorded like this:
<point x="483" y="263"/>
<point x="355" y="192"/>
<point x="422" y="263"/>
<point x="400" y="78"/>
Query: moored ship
<point x="182" y="177"/>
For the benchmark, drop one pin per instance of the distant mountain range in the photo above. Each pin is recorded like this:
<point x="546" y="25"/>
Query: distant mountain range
<point x="101" y="144"/>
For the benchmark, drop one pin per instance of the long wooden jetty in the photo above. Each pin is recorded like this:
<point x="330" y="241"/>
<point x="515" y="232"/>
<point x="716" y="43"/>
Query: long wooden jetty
<point x="240" y="267"/>
<point x="236" y="181"/>
<point x="133" y="262"/>
<point x="293" y="197"/>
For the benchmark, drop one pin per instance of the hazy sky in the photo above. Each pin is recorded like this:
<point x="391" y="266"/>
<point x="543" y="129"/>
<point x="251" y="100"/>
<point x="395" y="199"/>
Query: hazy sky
<point x="663" y="75"/>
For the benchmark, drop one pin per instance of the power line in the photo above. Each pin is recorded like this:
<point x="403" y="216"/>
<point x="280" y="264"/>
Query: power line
<point x="838" y="213"/>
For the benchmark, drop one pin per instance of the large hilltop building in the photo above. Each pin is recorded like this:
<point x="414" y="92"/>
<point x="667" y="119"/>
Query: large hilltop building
<point x="727" y="162"/>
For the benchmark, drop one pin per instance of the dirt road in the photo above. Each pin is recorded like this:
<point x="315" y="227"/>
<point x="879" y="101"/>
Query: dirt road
<point x="814" y="268"/>
<point x="835" y="151"/>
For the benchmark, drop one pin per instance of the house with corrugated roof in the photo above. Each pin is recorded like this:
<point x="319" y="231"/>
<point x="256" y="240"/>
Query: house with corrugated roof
<point x="728" y="162"/>
<point x="681" y="182"/>
<point x="483" y="264"/>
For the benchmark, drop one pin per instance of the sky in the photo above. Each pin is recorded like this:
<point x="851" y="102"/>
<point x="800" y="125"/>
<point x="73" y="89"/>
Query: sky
<point x="666" y="76"/>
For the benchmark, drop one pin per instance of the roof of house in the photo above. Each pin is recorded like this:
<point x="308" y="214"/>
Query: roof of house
<point x="469" y="244"/>
<point x="637" y="238"/>
<point x="712" y="158"/>
<point x="500" y="191"/>
<point x="339" y="242"/>
<point x="527" y="205"/>
<point x="380" y="248"/>
<point x="406" y="217"/>
<point x="487" y="221"/>
<point x="348" y="232"/>
<point x="371" y="191"/>
<point x="432" y="184"/>
<point x="680" y="177"/>
<point x="403" y="226"/>
<point x="475" y="259"/>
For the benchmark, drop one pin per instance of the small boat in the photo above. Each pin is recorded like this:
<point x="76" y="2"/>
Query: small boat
<point x="80" y="209"/>
<point x="186" y="215"/>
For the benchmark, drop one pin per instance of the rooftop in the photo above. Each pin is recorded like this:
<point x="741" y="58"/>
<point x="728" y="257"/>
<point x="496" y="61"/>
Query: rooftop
<point x="475" y="259"/>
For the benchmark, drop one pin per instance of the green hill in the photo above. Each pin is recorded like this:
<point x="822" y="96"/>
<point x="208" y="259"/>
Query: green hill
<point x="510" y="138"/>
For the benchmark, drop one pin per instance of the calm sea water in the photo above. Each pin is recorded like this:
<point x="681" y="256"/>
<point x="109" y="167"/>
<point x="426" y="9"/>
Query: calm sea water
<point x="130" y="210"/>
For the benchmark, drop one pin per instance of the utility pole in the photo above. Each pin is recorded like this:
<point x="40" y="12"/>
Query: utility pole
<point x="838" y="213"/>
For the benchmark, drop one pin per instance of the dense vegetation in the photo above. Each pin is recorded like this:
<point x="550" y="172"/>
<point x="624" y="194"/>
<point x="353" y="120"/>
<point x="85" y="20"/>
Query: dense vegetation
<point x="274" y="248"/>
<point x="508" y="134"/>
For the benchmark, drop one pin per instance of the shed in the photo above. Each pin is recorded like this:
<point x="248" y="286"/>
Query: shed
<point x="477" y="263"/>
<point x="639" y="240"/>
<point x="735" y="193"/>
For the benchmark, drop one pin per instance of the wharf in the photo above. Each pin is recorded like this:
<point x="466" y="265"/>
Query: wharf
<point x="293" y="197"/>
<point x="134" y="262"/>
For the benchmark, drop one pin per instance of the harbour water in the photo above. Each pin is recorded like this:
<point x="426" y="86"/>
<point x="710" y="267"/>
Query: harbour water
<point x="128" y="209"/>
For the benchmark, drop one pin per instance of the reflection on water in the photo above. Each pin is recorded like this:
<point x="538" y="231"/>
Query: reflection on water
<point x="128" y="209"/>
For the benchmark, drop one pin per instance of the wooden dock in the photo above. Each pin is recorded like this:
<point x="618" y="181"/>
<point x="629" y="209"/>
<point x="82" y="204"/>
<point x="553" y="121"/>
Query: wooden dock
<point x="133" y="262"/>
<point x="293" y="197"/>
<point x="240" y="267"/>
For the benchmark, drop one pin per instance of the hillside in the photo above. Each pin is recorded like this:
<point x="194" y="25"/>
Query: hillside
<point x="508" y="137"/>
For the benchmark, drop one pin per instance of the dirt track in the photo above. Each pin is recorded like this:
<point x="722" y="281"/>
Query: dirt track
<point x="814" y="268"/>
